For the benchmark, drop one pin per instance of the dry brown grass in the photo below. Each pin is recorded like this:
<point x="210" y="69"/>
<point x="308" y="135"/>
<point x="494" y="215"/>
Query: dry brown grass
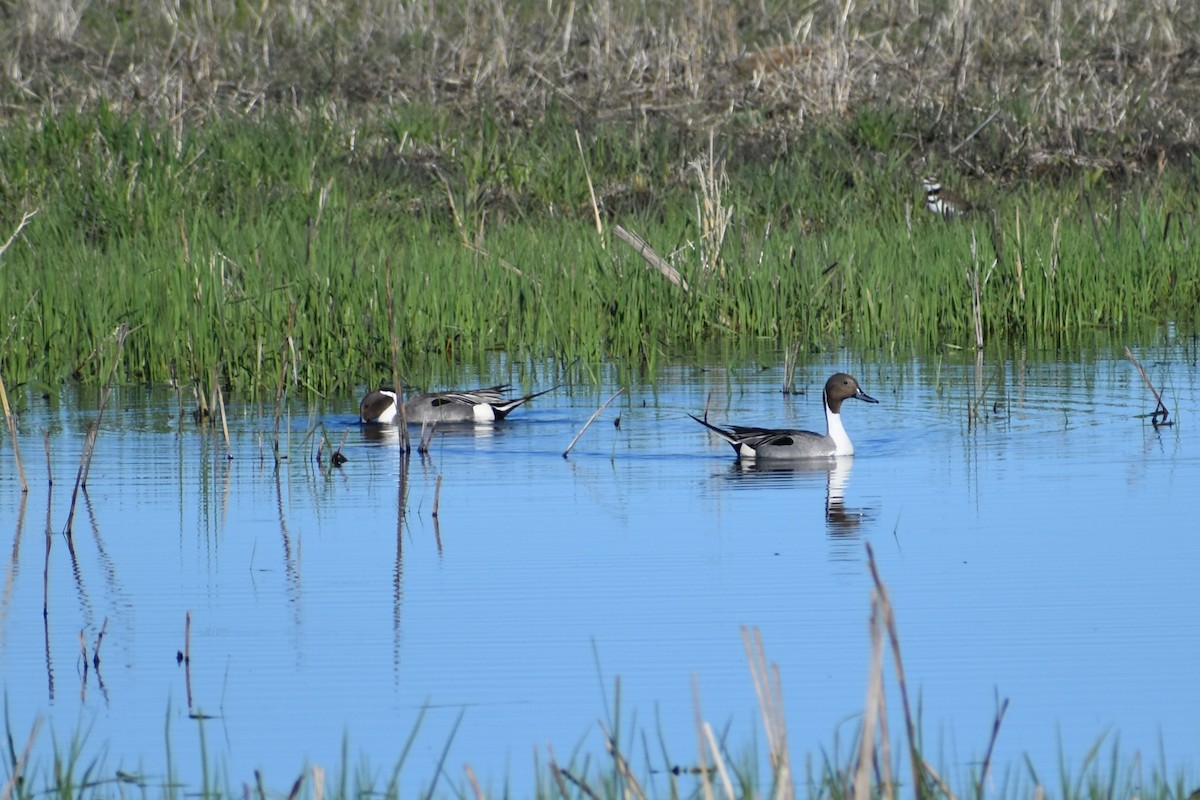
<point x="1099" y="84"/>
<point x="1091" y="83"/>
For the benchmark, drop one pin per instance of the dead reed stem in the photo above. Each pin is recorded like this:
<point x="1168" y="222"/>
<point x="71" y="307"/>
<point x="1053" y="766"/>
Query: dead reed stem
<point x="318" y="782"/>
<point x="889" y="622"/>
<point x="11" y="421"/>
<point x="701" y="758"/>
<point x="394" y="342"/>
<point x="652" y="258"/>
<point x="427" y="431"/>
<point x="221" y="408"/>
<point x="631" y="783"/>
<point x="89" y="442"/>
<point x="769" y="691"/>
<point x="592" y="419"/>
<point x="286" y="348"/>
<point x="712" y="215"/>
<point x="476" y="789"/>
<point x="28" y="215"/>
<point x="1019" y="263"/>
<point x="99" y="640"/>
<point x="437" y="495"/>
<point x="337" y="459"/>
<point x="1001" y="710"/>
<point x="976" y="286"/>
<point x="722" y="771"/>
<point x="591" y="189"/>
<point x="1160" y="415"/>
<point x="187" y="657"/>
<point x="790" y="359"/>
<point x="874" y="704"/>
<point x="560" y="777"/>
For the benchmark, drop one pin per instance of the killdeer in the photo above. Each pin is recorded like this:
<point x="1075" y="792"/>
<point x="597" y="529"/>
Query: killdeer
<point x="475" y="405"/>
<point x="781" y="444"/>
<point x="944" y="202"/>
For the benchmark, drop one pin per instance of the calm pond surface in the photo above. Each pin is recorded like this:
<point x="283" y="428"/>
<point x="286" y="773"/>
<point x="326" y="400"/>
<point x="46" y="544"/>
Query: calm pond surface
<point x="1044" y="551"/>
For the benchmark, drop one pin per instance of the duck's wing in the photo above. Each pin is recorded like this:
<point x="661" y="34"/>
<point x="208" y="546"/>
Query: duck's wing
<point x="468" y="397"/>
<point x="766" y="439"/>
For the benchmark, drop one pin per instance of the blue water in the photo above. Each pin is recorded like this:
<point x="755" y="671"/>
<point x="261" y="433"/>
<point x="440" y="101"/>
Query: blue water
<point x="1039" y="545"/>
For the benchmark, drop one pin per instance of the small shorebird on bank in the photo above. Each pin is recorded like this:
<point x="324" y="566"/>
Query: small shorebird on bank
<point x="944" y="202"/>
<point x="475" y="405"/>
<point x="787" y="444"/>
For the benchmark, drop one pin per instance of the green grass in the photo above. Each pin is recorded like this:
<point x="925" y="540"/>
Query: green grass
<point x="218" y="245"/>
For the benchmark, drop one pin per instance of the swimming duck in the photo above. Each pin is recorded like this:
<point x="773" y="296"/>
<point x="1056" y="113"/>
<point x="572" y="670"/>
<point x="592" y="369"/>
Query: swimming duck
<point x="784" y="444"/>
<point x="475" y="405"/>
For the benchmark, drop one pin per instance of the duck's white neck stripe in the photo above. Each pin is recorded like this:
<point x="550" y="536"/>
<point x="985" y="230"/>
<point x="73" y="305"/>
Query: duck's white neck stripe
<point x="842" y="446"/>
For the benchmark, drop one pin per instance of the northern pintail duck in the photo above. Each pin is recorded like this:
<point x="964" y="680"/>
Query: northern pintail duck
<point x="475" y="405"/>
<point x="784" y="444"/>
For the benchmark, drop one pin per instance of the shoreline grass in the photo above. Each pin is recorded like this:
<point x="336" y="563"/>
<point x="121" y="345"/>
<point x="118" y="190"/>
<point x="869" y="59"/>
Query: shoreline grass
<point x="214" y="262"/>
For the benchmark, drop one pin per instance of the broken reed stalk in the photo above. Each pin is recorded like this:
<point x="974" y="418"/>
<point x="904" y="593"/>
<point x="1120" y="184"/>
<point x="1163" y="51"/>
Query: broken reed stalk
<point x="973" y="281"/>
<point x="476" y="789"/>
<point x="790" y="359"/>
<point x="437" y="495"/>
<point x="873" y="706"/>
<point x="722" y="771"/>
<point x="318" y="782"/>
<point x="28" y="215"/>
<point x="89" y="442"/>
<point x="622" y="764"/>
<point x="997" y="721"/>
<point x="701" y="750"/>
<point x="394" y="341"/>
<point x="186" y="657"/>
<point x="652" y="258"/>
<point x="769" y="690"/>
<point x="99" y="640"/>
<point x="221" y="408"/>
<point x="427" y="429"/>
<point x="11" y="421"/>
<point x="279" y="388"/>
<point x="1019" y="264"/>
<point x="560" y="776"/>
<point x="587" y="173"/>
<point x="1161" y="411"/>
<point x="592" y="419"/>
<point x="889" y="622"/>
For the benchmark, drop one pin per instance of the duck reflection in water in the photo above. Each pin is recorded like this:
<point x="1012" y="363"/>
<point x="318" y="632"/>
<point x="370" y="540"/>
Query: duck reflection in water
<point x="840" y="519"/>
